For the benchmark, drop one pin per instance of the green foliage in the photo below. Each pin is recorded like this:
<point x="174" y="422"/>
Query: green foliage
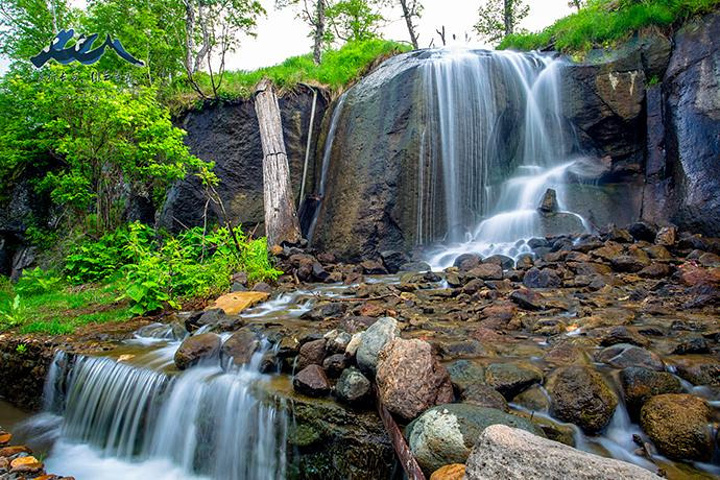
<point x="53" y="327"/>
<point x="37" y="281"/>
<point x="354" y="20"/>
<point x="338" y="69"/>
<point x="26" y="26"/>
<point x="500" y="18"/>
<point x="21" y="348"/>
<point x="605" y="23"/>
<point x="11" y="312"/>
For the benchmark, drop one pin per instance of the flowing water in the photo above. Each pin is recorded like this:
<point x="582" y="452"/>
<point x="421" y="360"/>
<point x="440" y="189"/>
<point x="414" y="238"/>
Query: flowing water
<point x="129" y="417"/>
<point x="496" y="141"/>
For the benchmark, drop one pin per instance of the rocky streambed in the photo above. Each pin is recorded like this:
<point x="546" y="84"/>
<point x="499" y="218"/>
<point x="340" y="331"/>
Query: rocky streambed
<point x="606" y="343"/>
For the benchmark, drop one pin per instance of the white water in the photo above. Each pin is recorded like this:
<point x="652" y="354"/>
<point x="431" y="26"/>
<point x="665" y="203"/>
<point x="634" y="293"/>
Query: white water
<point x="496" y="142"/>
<point x="112" y="419"/>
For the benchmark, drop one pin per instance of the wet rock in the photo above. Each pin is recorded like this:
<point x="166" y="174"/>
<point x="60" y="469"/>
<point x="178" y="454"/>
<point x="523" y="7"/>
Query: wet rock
<point x="625" y="355"/>
<point x="643" y="231"/>
<point x="609" y="251"/>
<point x="467" y="261"/>
<point x="640" y="384"/>
<point x="394" y="260"/>
<point x="324" y="312"/>
<point x="236" y="302"/>
<point x="549" y="203"/>
<point x="695" y="345"/>
<point x="353" y="387"/>
<point x="337" y="342"/>
<point x="215" y="318"/>
<point x="415" y="267"/>
<point x="371" y="267"/>
<point x="658" y="252"/>
<point x="410" y="379"/>
<point x="709" y="260"/>
<point x="486" y="271"/>
<point x="622" y="334"/>
<point x="692" y="275"/>
<point x="546" y="278"/>
<point x="311" y="353"/>
<point x="700" y="371"/>
<point x="455" y="471"/>
<point x="241" y="347"/>
<point x="505" y="262"/>
<point x="312" y="381"/>
<point x="566" y="353"/>
<point x="27" y="464"/>
<point x="656" y="271"/>
<point x="581" y="396"/>
<point x="14" y="450"/>
<point x="484" y="396"/>
<point x="511" y="379"/>
<point x="447" y="433"/>
<point x="334" y="365"/>
<point x="513" y="454"/>
<point x="678" y="425"/>
<point x="372" y="341"/>
<point x="528" y="299"/>
<point x="198" y="348"/>
<point x="666" y="236"/>
<point x="319" y="273"/>
<point x="534" y="399"/>
<point x="628" y="263"/>
<point x="525" y="261"/>
<point x="619" y="235"/>
<point x="465" y="373"/>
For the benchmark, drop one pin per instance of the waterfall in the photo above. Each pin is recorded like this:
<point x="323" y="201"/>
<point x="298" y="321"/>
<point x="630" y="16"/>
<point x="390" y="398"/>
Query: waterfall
<point x="495" y="142"/>
<point x="143" y="423"/>
<point x="327" y="152"/>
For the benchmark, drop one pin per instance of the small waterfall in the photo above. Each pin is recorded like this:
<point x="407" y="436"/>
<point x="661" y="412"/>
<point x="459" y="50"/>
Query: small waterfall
<point x="496" y="141"/>
<point x="143" y="423"/>
<point x="327" y="153"/>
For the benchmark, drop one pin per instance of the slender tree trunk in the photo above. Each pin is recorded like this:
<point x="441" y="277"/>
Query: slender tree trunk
<point x="408" y="20"/>
<point x="508" y="17"/>
<point x="281" y="220"/>
<point x="319" y="32"/>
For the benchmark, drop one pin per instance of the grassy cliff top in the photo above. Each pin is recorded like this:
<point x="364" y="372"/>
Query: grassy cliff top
<point x="338" y="69"/>
<point x="605" y="23"/>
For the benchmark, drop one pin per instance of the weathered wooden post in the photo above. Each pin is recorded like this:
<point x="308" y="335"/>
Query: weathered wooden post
<point x="281" y="220"/>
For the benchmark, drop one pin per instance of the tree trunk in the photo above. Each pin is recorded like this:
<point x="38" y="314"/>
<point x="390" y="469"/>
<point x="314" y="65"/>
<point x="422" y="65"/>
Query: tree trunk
<point x="319" y="32"/>
<point x="508" y="17"/>
<point x="402" y="450"/>
<point x="408" y="20"/>
<point x="281" y="220"/>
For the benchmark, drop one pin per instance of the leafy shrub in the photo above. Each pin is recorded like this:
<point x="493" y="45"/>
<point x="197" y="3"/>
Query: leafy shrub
<point x="37" y="281"/>
<point x="11" y="313"/>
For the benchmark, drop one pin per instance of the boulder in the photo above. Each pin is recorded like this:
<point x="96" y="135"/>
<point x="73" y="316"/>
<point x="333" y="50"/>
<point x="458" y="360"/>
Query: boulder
<point x="235" y="302"/>
<point x="546" y="278"/>
<point x="241" y="347"/>
<point x="640" y="384"/>
<point x="410" y="379"/>
<point x="678" y="425"/>
<point x="353" y="387"/>
<point x="312" y="381"/>
<point x="456" y="471"/>
<point x="625" y="355"/>
<point x="505" y="262"/>
<point x="549" y="203"/>
<point x="311" y="353"/>
<point x="509" y="453"/>
<point x="484" y="396"/>
<point x="447" y="433"/>
<point x="486" y="271"/>
<point x="394" y="260"/>
<point x="203" y="347"/>
<point x="334" y="365"/>
<point x="528" y="299"/>
<point x="643" y="231"/>
<point x="580" y="395"/>
<point x="372" y="341"/>
<point x="511" y="379"/>
<point x="466" y="373"/>
<point x="700" y="370"/>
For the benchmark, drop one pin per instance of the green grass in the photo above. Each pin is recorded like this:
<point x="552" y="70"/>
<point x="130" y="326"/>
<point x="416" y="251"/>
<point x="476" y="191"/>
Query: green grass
<point x="338" y="69"/>
<point x="63" y="309"/>
<point x="606" y="23"/>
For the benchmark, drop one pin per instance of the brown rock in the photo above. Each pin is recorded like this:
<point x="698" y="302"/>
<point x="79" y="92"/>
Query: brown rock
<point x="28" y="464"/>
<point x="486" y="271"/>
<point x="236" y="302"/>
<point x="700" y="370"/>
<point x="311" y="353"/>
<point x="312" y="382"/>
<point x="608" y="252"/>
<point x="625" y="355"/>
<point x="196" y="348"/>
<point x="5" y="438"/>
<point x="410" y="379"/>
<point x="666" y="236"/>
<point x="678" y="425"/>
<point x="14" y="450"/>
<point x="641" y="384"/>
<point x="455" y="471"/>
<point x="240" y="347"/>
<point x="692" y="275"/>
<point x="658" y="252"/>
<point x="484" y="396"/>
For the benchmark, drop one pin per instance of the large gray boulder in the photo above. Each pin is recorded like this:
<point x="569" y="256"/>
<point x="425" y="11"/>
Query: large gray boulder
<point x="372" y="341"/>
<point x="514" y="454"/>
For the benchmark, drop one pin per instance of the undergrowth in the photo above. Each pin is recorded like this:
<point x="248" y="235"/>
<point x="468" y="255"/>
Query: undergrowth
<point x="606" y="23"/>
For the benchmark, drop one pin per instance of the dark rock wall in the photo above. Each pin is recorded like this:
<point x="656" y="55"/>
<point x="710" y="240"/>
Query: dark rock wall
<point x="227" y="134"/>
<point x="683" y="174"/>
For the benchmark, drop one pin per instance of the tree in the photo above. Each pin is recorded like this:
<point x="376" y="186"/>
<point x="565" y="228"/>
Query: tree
<point x="104" y="139"/>
<point x="313" y="14"/>
<point x="212" y="30"/>
<point x="28" y="26"/>
<point x="500" y="18"/>
<point x="577" y="3"/>
<point x="355" y="20"/>
<point x="412" y="9"/>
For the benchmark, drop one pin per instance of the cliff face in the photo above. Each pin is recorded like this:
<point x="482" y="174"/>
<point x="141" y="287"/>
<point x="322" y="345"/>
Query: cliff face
<point x="227" y="134"/>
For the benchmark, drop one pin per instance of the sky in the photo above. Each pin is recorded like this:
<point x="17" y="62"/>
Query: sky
<point x="281" y="35"/>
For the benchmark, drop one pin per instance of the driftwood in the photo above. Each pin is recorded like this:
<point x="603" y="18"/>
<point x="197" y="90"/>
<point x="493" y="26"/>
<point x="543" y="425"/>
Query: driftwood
<point x="402" y="450"/>
<point x="281" y="220"/>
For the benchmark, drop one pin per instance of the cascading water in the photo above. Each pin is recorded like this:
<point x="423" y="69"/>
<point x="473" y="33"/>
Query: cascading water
<point x="495" y="142"/>
<point x="327" y="152"/>
<point x="125" y="420"/>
